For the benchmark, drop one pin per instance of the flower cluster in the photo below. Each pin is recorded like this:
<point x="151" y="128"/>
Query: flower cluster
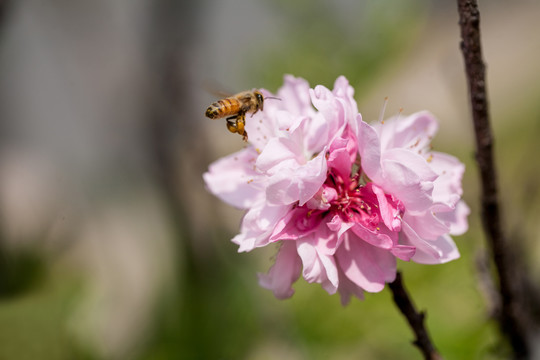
<point x="342" y="197"/>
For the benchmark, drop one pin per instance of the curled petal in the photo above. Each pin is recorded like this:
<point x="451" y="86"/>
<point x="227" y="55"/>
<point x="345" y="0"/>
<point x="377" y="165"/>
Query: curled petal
<point x="318" y="266"/>
<point x="438" y="251"/>
<point x="381" y="239"/>
<point x="403" y="252"/>
<point x="447" y="188"/>
<point x="295" y="224"/>
<point x="390" y="212"/>
<point x="339" y="159"/>
<point x="456" y="219"/>
<point x="283" y="273"/>
<point x="258" y="224"/>
<point x="291" y="183"/>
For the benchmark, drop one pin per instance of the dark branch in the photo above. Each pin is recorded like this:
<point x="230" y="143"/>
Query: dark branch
<point x="512" y="323"/>
<point x="415" y="319"/>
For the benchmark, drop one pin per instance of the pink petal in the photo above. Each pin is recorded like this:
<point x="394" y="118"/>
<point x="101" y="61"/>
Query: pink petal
<point x="316" y="133"/>
<point x="234" y="180"/>
<point x="378" y="238"/>
<point x="294" y="95"/>
<point x="426" y="225"/>
<point x="292" y="182"/>
<point x="347" y="289"/>
<point x="367" y="266"/>
<point x="278" y="150"/>
<point x="339" y="159"/>
<point x="258" y="224"/>
<point x="344" y="93"/>
<point x="412" y="161"/>
<point x="413" y="132"/>
<point x="283" y="273"/>
<point x="318" y="267"/>
<point x="438" y="251"/>
<point x="405" y="184"/>
<point x="369" y="148"/>
<point x="456" y="219"/>
<point x="338" y="226"/>
<point x="295" y="224"/>
<point x="447" y="189"/>
<point x="389" y="212"/>
<point x="403" y="252"/>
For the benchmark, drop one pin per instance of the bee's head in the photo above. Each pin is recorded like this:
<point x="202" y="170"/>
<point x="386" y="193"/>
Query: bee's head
<point x="260" y="99"/>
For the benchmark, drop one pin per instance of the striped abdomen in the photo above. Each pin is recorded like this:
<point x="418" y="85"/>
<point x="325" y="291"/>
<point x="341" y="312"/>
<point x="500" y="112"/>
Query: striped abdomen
<point x="223" y="107"/>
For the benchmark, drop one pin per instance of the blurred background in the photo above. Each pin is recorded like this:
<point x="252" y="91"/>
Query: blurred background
<point x="110" y="247"/>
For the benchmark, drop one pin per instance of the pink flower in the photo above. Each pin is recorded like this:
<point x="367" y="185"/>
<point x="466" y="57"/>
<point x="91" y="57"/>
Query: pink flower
<point x="343" y="198"/>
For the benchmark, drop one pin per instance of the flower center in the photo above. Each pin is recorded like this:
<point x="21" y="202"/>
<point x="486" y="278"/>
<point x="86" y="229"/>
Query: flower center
<point x="354" y="202"/>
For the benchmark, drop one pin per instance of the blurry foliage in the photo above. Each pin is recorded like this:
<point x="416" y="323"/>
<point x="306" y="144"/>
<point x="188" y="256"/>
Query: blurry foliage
<point x="20" y="270"/>
<point x="35" y="324"/>
<point x="320" y="40"/>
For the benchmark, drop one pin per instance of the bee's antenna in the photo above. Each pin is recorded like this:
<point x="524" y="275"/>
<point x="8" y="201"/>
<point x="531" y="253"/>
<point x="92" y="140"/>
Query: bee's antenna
<point x="272" y="97"/>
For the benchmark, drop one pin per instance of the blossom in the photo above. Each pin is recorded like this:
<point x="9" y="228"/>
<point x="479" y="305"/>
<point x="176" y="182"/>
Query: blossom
<point x="343" y="198"/>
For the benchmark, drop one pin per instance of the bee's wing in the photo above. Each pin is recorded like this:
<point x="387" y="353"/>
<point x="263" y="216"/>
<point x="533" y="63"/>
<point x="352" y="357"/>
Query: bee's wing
<point x="213" y="88"/>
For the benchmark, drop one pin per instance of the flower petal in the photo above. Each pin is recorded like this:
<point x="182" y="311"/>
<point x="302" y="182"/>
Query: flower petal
<point x="347" y="289"/>
<point x="284" y="272"/>
<point x="447" y="188"/>
<point x="456" y="219"/>
<point x="413" y="132"/>
<point x="258" y="224"/>
<point x="291" y="182"/>
<point x="406" y="184"/>
<point x="426" y="225"/>
<point x="369" y="148"/>
<point x="318" y="266"/>
<point x="438" y="251"/>
<point x="234" y="180"/>
<point x="367" y="266"/>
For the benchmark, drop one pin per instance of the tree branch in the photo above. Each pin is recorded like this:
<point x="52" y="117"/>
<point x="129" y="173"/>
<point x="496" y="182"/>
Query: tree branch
<point x="415" y="319"/>
<point x="512" y="323"/>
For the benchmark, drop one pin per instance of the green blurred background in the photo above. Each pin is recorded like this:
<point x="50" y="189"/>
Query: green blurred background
<point x="110" y="247"/>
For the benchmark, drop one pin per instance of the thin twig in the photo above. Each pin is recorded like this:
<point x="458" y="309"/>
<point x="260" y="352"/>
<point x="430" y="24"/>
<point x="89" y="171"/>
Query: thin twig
<point x="511" y="321"/>
<point x="415" y="319"/>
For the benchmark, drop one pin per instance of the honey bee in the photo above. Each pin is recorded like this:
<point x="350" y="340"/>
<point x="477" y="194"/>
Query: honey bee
<point x="235" y="109"/>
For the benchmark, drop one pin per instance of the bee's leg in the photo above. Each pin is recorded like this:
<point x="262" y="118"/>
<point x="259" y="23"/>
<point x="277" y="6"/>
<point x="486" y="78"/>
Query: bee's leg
<point x="240" y="126"/>
<point x="231" y="124"/>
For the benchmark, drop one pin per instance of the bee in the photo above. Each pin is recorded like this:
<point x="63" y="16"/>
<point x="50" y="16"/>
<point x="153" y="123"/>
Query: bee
<point x="235" y="109"/>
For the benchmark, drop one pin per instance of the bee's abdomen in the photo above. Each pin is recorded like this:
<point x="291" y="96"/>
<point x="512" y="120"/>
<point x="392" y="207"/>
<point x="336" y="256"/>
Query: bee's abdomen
<point x="222" y="108"/>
